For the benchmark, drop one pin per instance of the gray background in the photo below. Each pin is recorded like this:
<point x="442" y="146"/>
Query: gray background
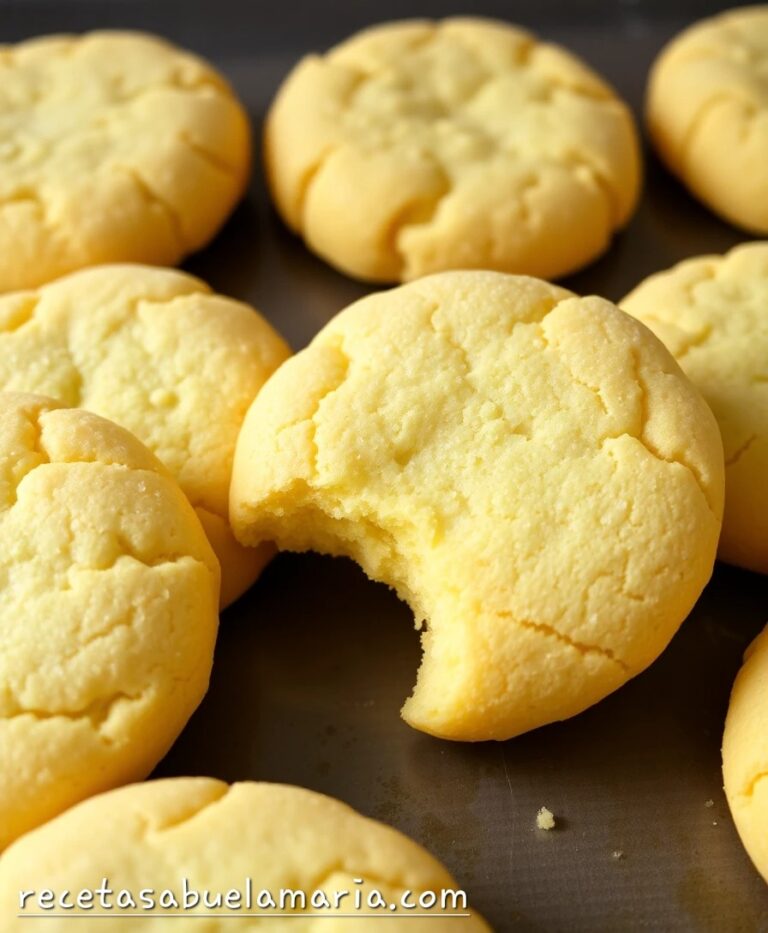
<point x="313" y="664"/>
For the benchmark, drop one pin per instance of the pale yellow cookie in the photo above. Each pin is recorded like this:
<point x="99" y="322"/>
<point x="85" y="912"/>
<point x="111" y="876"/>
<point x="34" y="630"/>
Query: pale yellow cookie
<point x="269" y="843"/>
<point x="114" y="146"/>
<point x="156" y="351"/>
<point x="108" y="610"/>
<point x="707" y="113"/>
<point x="745" y="753"/>
<point x="712" y="314"/>
<point x="416" y="146"/>
<point x="530" y="470"/>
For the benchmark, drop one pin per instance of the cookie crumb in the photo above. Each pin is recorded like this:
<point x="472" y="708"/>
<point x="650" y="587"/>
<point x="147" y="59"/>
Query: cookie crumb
<point x="709" y="804"/>
<point x="545" y="819"/>
<point x="618" y="854"/>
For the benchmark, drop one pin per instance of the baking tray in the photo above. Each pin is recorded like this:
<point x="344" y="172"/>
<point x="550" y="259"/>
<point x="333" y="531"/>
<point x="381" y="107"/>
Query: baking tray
<point x="314" y="662"/>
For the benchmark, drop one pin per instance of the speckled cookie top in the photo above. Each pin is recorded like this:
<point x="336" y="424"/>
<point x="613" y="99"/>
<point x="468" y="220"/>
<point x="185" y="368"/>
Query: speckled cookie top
<point x="419" y="146"/>
<point x="113" y="146"/>
<point x="531" y="470"/>
<point x="108" y="609"/>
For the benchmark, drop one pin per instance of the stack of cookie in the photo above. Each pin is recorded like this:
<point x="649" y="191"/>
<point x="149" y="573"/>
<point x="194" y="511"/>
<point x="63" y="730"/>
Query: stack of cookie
<point x="540" y="476"/>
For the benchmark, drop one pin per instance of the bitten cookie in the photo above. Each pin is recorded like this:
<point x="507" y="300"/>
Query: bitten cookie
<point x="157" y="352"/>
<point x="114" y="146"/>
<point x="415" y="147"/>
<point x="108" y="610"/>
<point x="707" y="113"/>
<point x="530" y="470"/>
<point x="745" y="753"/>
<point x="712" y="314"/>
<point x="219" y="837"/>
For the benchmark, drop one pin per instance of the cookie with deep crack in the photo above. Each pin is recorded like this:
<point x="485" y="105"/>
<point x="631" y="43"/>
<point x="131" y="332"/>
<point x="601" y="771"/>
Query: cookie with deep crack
<point x="108" y="609"/>
<point x="711" y="314"/>
<point x="707" y="113"/>
<point x="157" y="352"/>
<point x="418" y="146"/>
<point x="288" y="850"/>
<point x="745" y="753"/>
<point x="114" y="146"/>
<point x="530" y="470"/>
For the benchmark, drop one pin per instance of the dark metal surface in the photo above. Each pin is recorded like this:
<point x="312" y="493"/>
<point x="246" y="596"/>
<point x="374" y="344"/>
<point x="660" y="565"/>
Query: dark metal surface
<point x="313" y="664"/>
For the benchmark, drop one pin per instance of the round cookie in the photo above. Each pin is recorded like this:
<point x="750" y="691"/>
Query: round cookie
<point x="711" y="314"/>
<point x="745" y="753"/>
<point x="114" y="146"/>
<point x="215" y="836"/>
<point x="707" y="113"/>
<point x="108" y="609"/>
<point x="530" y="470"/>
<point x="155" y="351"/>
<point x="418" y="146"/>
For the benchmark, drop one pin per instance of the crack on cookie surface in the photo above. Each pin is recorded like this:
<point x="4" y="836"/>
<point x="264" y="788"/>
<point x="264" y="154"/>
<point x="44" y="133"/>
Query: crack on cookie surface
<point x="35" y="446"/>
<point x="550" y="631"/>
<point x="709" y="310"/>
<point x="694" y="341"/>
<point x="680" y="460"/>
<point x="338" y="347"/>
<point x="751" y="785"/>
<point x="20" y="313"/>
<point x="97" y="712"/>
<point x="683" y="150"/>
<point x="519" y="428"/>
<point x="552" y="341"/>
<point x="212" y="158"/>
<point x="155" y="200"/>
<point x="307" y="179"/>
<point x="421" y="211"/>
<point x="184" y="819"/>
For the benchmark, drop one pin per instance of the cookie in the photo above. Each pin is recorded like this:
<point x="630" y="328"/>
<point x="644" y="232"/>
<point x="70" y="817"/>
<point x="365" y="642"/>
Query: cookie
<point x="707" y="113"/>
<point x="265" y="838"/>
<point x="529" y="470"/>
<point x="114" y="146"/>
<point x="156" y="351"/>
<point x="711" y="314"/>
<point x="108" y="609"/>
<point x="745" y="753"/>
<point x="418" y="146"/>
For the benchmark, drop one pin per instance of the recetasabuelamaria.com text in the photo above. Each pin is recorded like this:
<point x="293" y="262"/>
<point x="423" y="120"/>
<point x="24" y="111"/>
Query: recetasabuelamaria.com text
<point x="186" y="898"/>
